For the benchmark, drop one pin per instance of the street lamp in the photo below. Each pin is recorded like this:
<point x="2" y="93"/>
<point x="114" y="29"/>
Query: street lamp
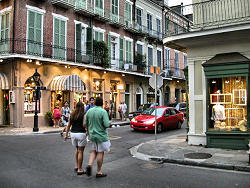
<point x="36" y="77"/>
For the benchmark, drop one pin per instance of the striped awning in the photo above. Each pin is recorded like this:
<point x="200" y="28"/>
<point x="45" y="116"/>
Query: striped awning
<point x="67" y="82"/>
<point x="4" y="84"/>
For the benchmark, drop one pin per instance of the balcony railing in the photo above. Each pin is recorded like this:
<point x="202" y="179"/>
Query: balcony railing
<point x="63" y="3"/>
<point x="83" y="7"/>
<point x="173" y="72"/>
<point x="212" y="14"/>
<point x="45" y="50"/>
<point x="149" y="32"/>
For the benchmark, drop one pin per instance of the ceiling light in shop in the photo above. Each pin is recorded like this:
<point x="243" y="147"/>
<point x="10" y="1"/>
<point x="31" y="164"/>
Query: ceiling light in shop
<point x="29" y="60"/>
<point x="178" y="81"/>
<point x="227" y="81"/>
<point x="213" y="82"/>
<point x="105" y="72"/>
<point x="1" y="60"/>
<point x="38" y="63"/>
<point x="123" y="74"/>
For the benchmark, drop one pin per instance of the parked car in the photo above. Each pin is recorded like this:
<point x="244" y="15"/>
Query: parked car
<point x="167" y="117"/>
<point x="182" y="106"/>
<point x="140" y="110"/>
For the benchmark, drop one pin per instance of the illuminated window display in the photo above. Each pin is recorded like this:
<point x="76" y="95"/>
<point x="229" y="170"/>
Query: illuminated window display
<point x="228" y="104"/>
<point x="59" y="97"/>
<point x="29" y="100"/>
<point x="98" y="88"/>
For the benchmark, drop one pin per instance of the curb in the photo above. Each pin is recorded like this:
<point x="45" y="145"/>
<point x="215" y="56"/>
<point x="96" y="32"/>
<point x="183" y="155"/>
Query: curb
<point x="203" y="164"/>
<point x="134" y="152"/>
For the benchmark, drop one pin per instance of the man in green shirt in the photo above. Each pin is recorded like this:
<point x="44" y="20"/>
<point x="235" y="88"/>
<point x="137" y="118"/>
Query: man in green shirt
<point x="97" y="121"/>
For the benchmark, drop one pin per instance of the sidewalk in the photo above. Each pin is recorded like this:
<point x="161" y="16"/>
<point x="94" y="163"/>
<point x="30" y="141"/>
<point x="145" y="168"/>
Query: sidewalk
<point x="47" y="129"/>
<point x="175" y="149"/>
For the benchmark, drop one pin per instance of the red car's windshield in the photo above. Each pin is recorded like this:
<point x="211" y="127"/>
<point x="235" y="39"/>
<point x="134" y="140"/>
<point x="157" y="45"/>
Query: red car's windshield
<point x="152" y="111"/>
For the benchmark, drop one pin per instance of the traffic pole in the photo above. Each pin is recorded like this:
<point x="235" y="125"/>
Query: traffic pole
<point x="155" y="106"/>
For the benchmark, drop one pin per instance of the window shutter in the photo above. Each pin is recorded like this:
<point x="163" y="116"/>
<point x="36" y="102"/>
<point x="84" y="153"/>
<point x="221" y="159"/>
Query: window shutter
<point x="121" y="53"/>
<point x="78" y="42"/>
<point x="109" y="47"/>
<point x="56" y="38"/>
<point x="31" y="32"/>
<point x="7" y="25"/>
<point x="89" y="43"/>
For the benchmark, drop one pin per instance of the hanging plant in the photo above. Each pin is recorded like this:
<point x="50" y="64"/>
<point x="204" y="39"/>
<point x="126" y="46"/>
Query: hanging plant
<point x="140" y="61"/>
<point x="101" y="55"/>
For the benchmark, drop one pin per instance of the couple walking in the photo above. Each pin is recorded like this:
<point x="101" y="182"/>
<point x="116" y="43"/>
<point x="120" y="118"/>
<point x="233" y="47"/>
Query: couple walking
<point x="93" y="124"/>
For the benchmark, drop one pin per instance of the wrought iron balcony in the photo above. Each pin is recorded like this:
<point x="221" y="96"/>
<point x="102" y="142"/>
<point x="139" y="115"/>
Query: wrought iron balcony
<point x="173" y="72"/>
<point x="84" y="8"/>
<point x="211" y="14"/>
<point x="63" y="3"/>
<point x="50" y="52"/>
<point x="145" y="31"/>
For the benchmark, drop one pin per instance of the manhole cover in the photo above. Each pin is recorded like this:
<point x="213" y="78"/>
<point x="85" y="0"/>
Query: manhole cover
<point x="198" y="155"/>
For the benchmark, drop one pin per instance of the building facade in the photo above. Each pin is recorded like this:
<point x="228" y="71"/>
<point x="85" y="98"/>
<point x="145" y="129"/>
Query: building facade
<point x="56" y="38"/>
<point x="218" y="72"/>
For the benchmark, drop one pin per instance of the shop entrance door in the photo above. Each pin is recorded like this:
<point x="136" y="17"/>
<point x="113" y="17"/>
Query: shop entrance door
<point x="6" y="111"/>
<point x="138" y="101"/>
<point x="127" y="103"/>
<point x="113" y="102"/>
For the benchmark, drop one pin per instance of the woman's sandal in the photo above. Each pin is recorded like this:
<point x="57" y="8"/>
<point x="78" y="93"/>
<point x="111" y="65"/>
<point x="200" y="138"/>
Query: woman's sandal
<point x="75" y="169"/>
<point x="81" y="173"/>
<point x="100" y="175"/>
<point x="88" y="170"/>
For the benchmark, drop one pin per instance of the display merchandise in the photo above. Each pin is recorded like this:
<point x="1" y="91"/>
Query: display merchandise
<point x="228" y="104"/>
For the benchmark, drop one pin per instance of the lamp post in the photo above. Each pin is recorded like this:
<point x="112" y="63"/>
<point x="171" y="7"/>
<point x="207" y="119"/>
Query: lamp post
<point x="36" y="77"/>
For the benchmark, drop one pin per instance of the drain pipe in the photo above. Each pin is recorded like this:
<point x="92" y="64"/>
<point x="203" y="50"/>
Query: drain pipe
<point x="13" y="25"/>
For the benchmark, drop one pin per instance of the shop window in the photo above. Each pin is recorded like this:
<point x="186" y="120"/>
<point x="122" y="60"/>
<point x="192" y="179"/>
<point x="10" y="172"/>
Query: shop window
<point x="29" y="99"/>
<point x="58" y="98"/>
<point x="97" y="85"/>
<point x="228" y="104"/>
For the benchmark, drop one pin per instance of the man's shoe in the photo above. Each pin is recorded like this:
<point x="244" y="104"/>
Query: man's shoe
<point x="89" y="170"/>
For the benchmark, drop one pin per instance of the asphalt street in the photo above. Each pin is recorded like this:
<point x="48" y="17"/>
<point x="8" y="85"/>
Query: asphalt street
<point x="39" y="161"/>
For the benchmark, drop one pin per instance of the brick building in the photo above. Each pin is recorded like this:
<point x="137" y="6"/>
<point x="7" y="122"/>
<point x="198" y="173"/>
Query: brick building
<point x="56" y="38"/>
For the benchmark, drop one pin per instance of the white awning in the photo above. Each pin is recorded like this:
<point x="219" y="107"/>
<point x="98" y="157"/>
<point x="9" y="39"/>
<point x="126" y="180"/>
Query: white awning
<point x="4" y="84"/>
<point x="67" y="82"/>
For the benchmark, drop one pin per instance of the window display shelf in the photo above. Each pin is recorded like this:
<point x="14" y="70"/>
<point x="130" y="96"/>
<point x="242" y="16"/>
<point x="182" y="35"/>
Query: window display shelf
<point x="221" y="98"/>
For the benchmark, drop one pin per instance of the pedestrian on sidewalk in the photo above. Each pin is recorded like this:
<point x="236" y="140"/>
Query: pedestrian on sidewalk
<point x="56" y="116"/>
<point x="97" y="122"/>
<point x="120" y="110"/>
<point x="78" y="135"/>
<point x="124" y="110"/>
<point x="65" y="116"/>
<point x="91" y="104"/>
<point x="106" y="107"/>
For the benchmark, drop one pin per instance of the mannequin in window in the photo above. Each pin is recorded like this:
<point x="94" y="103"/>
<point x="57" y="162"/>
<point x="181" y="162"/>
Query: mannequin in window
<point x="218" y="112"/>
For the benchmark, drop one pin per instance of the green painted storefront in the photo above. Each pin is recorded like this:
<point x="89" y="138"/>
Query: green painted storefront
<point x="222" y="66"/>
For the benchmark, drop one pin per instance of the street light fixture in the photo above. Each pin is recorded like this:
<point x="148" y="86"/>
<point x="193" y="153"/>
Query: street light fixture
<point x="36" y="77"/>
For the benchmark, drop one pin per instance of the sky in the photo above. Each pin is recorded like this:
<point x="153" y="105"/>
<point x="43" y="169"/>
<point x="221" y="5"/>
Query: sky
<point x="178" y="2"/>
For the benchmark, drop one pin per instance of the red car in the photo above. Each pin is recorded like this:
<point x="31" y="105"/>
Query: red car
<point x="167" y="117"/>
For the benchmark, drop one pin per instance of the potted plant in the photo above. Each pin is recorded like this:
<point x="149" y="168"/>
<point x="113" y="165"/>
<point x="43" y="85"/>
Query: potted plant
<point x="101" y="54"/>
<point x="49" y="117"/>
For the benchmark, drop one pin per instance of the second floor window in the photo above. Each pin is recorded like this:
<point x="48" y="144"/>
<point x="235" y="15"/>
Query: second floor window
<point x="99" y="7"/>
<point x="167" y="51"/>
<point x="176" y="28"/>
<point x="139" y="17"/>
<point x="158" y="24"/>
<point x="177" y="62"/>
<point x="99" y="36"/>
<point x="139" y="49"/>
<point x="34" y="33"/>
<point x="5" y="30"/>
<point x="150" y="57"/>
<point x="149" y="23"/>
<point x="59" y="37"/>
<point x="5" y="26"/>
<point x="128" y="51"/>
<point x="185" y="60"/>
<point x="128" y="12"/>
<point x="159" y="58"/>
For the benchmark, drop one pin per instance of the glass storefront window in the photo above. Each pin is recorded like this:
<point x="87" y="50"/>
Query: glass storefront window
<point x="80" y="97"/>
<point x="228" y="104"/>
<point x="29" y="100"/>
<point x="97" y="85"/>
<point x="58" y="98"/>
